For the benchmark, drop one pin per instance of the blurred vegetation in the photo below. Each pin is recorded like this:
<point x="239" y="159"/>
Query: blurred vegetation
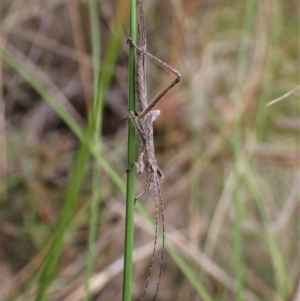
<point x="231" y="164"/>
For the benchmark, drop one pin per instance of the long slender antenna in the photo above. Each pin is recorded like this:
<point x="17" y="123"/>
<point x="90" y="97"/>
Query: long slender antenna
<point x="154" y="246"/>
<point x="163" y="238"/>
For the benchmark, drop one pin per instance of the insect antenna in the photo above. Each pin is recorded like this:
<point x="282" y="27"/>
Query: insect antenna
<point x="163" y="235"/>
<point x="155" y="240"/>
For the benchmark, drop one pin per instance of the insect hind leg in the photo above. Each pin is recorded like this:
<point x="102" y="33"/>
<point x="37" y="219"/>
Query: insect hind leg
<point x="147" y="189"/>
<point x="142" y="194"/>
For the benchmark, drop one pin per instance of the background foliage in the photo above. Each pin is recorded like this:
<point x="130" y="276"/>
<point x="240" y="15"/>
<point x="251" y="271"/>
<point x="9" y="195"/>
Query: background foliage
<point x="231" y="164"/>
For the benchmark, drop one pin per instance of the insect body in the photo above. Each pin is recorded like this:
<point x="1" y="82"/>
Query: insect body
<point x="143" y="120"/>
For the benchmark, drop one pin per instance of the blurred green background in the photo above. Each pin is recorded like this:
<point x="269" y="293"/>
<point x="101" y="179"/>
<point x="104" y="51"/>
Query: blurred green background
<point x="231" y="164"/>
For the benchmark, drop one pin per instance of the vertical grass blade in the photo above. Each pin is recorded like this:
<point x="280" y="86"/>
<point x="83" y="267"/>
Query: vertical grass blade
<point x="50" y="262"/>
<point x="95" y="124"/>
<point x="129" y="219"/>
<point x="250" y="10"/>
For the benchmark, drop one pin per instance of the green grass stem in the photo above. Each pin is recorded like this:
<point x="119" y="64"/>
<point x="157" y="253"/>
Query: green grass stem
<point x="248" y="178"/>
<point x="88" y="146"/>
<point x="249" y="16"/>
<point x="95" y="124"/>
<point x="129" y="218"/>
<point x="51" y="259"/>
<point x="64" y="115"/>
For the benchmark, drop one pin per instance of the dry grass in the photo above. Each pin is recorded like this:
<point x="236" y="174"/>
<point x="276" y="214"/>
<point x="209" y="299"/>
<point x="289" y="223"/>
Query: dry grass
<point x="231" y="163"/>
